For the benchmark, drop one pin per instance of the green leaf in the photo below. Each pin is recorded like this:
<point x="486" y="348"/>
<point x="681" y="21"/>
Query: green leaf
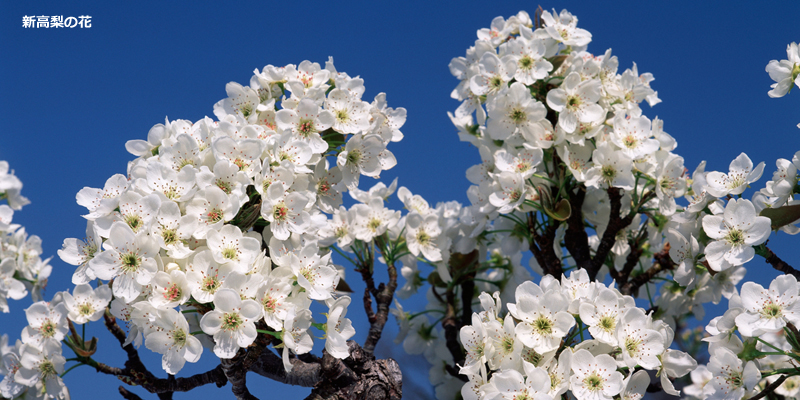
<point x="561" y="212"/>
<point x="342" y="286"/>
<point x="557" y="61"/>
<point x="781" y="216"/>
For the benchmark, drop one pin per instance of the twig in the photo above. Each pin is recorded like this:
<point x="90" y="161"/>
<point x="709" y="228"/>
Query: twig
<point x="770" y="388"/>
<point x="776" y="262"/>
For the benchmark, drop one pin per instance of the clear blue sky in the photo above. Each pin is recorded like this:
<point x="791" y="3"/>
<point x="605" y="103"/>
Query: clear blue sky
<point x="71" y="98"/>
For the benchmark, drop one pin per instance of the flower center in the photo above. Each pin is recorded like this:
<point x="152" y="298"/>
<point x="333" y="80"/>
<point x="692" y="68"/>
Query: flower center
<point x="279" y="212"/>
<point x="170" y="236"/>
<point x="771" y="310"/>
<point x="374" y="224"/>
<point x="47" y="369"/>
<point x="130" y="262"/>
<point x="342" y="116"/>
<point x="306" y="127"/>
<point x="354" y="157"/>
<point x="608" y="173"/>
<point x="526" y="62"/>
<point x="224" y="186"/>
<point x="210" y="284"/>
<point x="229" y="253"/>
<point x="214" y="215"/>
<point x="86" y="309"/>
<point x="518" y="116"/>
<point x="48" y="329"/>
<point x="593" y="382"/>
<point x="735" y="237"/>
<point x="270" y="304"/>
<point x="231" y="321"/>
<point x="179" y="337"/>
<point x="496" y="82"/>
<point x="608" y="324"/>
<point x="632" y="346"/>
<point x="172" y="293"/>
<point x="543" y="326"/>
<point x="134" y="221"/>
<point x="573" y="102"/>
<point x="423" y="238"/>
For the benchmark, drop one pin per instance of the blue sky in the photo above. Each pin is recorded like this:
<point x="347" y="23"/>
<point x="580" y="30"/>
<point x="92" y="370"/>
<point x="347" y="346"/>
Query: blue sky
<point x="71" y="98"/>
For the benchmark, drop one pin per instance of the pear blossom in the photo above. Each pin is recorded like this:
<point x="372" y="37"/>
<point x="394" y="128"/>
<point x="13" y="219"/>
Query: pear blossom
<point x="44" y="365"/>
<point x="295" y="334"/>
<point x="785" y="72"/>
<point x="732" y="378"/>
<point x="306" y="122"/>
<point x="285" y="211"/>
<point x="230" y="245"/>
<point x="86" y="304"/>
<point x="513" y="110"/>
<point x="79" y="252"/>
<point x="350" y="113"/>
<point x="736" y="180"/>
<point x="576" y="101"/>
<point x="494" y="74"/>
<point x="422" y="234"/>
<point x="273" y="295"/>
<point x="205" y="276"/>
<point x="768" y="310"/>
<point x="543" y="314"/>
<point x="46" y="324"/>
<point x="735" y="232"/>
<point x="232" y="322"/>
<point x="129" y="259"/>
<point x="563" y="28"/>
<point x="174" y="341"/>
<point x="594" y="377"/>
<point x="338" y="329"/>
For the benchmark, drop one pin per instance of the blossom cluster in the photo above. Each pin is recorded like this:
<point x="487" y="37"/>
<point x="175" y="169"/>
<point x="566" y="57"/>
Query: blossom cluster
<point x="764" y="350"/>
<point x="22" y="269"/>
<point x="533" y="351"/>
<point x="215" y="227"/>
<point x="553" y="122"/>
<point x="188" y="226"/>
<point x="36" y="360"/>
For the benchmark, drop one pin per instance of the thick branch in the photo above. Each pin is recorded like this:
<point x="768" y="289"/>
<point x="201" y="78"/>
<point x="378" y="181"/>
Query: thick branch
<point x="136" y="373"/>
<point x="452" y="329"/>
<point x="545" y="253"/>
<point x="302" y="374"/>
<point x="359" y="376"/>
<point x="615" y="224"/>
<point x="575" y="238"/>
<point x="237" y="376"/>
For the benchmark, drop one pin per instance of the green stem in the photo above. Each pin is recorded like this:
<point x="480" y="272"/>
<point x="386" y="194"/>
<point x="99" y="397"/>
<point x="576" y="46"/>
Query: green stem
<point x="278" y="335"/>
<point x="71" y="368"/>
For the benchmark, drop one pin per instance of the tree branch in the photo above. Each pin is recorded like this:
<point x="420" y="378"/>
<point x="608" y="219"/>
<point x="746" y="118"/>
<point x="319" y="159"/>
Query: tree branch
<point x="663" y="262"/>
<point x="303" y="374"/>
<point x="770" y="388"/>
<point x="237" y="376"/>
<point x="776" y="262"/>
<point x="575" y="238"/>
<point x="359" y="376"/>
<point x="128" y="395"/>
<point x="615" y="224"/>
